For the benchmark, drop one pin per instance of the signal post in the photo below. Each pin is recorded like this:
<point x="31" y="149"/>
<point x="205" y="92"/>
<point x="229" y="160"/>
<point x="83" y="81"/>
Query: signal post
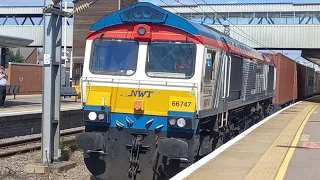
<point x="51" y="99"/>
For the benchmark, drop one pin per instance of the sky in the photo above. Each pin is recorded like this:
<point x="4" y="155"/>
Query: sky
<point x="158" y="2"/>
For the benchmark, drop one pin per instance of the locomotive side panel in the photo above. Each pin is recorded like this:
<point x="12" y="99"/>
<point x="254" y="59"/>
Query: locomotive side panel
<point x="236" y="78"/>
<point x="253" y="79"/>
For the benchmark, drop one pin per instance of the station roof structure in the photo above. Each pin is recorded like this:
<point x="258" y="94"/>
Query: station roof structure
<point x="14" y="42"/>
<point x="312" y="55"/>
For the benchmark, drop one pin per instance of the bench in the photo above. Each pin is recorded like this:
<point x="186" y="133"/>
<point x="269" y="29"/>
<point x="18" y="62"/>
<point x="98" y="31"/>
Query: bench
<point x="13" y="89"/>
<point x="69" y="91"/>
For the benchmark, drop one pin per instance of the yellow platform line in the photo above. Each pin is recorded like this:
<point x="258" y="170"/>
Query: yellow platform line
<point x="284" y="166"/>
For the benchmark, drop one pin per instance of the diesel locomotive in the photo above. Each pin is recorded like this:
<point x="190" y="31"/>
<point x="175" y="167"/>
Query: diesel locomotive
<point x="160" y="92"/>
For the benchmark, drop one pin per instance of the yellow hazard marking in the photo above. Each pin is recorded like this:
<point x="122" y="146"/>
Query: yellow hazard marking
<point x="284" y="166"/>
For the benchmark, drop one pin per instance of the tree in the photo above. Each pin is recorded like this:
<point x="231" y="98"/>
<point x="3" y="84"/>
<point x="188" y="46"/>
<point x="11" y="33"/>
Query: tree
<point x="17" y="58"/>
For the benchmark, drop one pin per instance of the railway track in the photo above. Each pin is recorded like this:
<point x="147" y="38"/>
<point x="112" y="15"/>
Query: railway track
<point x="26" y="145"/>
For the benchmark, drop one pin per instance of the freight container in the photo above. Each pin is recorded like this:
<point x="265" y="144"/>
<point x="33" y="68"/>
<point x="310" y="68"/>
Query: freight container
<point x="286" y="80"/>
<point x="305" y="81"/>
<point x="317" y="82"/>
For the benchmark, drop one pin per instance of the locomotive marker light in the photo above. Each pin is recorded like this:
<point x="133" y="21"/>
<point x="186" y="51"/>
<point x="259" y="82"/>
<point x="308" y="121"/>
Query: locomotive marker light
<point x="172" y="122"/>
<point x="138" y="105"/>
<point x="142" y="31"/>
<point x="101" y="116"/>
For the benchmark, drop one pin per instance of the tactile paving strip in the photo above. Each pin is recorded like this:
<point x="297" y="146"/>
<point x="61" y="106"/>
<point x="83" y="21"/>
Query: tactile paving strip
<point x="269" y="164"/>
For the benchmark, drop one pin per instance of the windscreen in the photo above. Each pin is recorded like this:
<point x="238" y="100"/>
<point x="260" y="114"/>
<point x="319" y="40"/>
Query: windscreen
<point x="171" y="59"/>
<point x="114" y="57"/>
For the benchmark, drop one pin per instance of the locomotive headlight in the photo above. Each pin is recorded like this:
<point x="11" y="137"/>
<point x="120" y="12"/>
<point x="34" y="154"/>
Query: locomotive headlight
<point x="92" y="116"/>
<point x="181" y="122"/>
<point x="172" y="122"/>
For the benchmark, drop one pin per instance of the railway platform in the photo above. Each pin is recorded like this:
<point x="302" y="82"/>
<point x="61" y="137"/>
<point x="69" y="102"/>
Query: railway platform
<point x="22" y="116"/>
<point x="285" y="145"/>
<point x="26" y="104"/>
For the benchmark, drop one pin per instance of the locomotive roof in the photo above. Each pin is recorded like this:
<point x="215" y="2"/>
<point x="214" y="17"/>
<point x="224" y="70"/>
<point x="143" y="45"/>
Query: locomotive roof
<point x="145" y="12"/>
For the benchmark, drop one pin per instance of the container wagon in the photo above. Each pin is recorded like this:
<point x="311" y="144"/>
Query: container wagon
<point x="317" y="82"/>
<point x="306" y="85"/>
<point x="286" y="80"/>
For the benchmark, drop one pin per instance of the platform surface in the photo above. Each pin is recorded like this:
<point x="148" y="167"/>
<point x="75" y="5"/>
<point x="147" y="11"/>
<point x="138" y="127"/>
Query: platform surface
<point x="287" y="146"/>
<point x="28" y="104"/>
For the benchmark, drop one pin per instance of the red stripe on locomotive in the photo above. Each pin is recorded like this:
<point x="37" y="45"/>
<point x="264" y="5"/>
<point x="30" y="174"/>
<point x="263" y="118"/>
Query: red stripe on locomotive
<point x="163" y="32"/>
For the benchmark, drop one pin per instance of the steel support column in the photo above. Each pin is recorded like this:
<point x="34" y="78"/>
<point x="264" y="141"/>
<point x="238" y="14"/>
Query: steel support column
<point x="51" y="87"/>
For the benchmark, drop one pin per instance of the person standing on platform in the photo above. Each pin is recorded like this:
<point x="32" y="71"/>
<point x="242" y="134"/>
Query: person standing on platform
<point x="3" y="85"/>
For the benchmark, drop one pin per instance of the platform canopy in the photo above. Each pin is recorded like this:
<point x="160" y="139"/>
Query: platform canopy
<point x="312" y="55"/>
<point x="14" y="42"/>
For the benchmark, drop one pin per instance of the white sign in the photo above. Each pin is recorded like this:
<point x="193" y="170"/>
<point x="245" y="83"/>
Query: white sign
<point x="46" y="59"/>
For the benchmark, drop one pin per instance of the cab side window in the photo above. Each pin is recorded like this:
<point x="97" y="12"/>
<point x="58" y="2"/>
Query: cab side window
<point x="210" y="65"/>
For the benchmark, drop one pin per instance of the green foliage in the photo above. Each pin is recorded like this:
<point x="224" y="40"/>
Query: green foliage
<point x="67" y="148"/>
<point x="37" y="159"/>
<point x="17" y="58"/>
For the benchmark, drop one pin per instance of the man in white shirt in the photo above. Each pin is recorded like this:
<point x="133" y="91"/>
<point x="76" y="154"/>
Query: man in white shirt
<point x="3" y="85"/>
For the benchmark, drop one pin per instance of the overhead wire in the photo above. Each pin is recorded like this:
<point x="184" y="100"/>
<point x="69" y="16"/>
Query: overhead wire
<point x="194" y="10"/>
<point x="207" y="15"/>
<point x="233" y="24"/>
<point x="168" y="6"/>
<point x="213" y="20"/>
<point x="251" y="40"/>
<point x="82" y="7"/>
